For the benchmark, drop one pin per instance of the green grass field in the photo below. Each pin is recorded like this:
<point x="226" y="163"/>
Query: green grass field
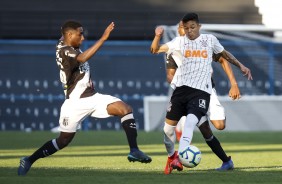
<point x="101" y="157"/>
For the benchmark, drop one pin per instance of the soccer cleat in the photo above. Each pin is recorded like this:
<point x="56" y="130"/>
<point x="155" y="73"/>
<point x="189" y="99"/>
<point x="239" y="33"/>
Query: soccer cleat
<point x="173" y="163"/>
<point x="24" y="166"/>
<point x="168" y="168"/>
<point x="226" y="166"/>
<point x="176" y="164"/>
<point x="138" y="156"/>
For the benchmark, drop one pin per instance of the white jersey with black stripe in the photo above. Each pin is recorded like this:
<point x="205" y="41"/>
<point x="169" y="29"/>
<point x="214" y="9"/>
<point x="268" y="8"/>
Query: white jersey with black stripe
<point x="195" y="70"/>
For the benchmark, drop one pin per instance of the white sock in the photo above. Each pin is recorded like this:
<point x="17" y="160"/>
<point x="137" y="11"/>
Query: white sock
<point x="187" y="133"/>
<point x="169" y="138"/>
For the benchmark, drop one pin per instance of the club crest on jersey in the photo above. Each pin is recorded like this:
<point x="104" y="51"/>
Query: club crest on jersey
<point x="202" y="103"/>
<point x="204" y="43"/>
<point x="65" y="121"/>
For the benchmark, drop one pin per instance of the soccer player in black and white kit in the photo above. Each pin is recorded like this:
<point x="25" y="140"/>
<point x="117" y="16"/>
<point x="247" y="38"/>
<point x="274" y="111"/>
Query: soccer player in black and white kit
<point x="192" y="80"/>
<point x="216" y="112"/>
<point x="82" y="100"/>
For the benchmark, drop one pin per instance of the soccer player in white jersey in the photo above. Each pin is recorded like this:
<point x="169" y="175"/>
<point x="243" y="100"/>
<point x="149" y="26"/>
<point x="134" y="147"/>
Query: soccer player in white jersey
<point x="216" y="112"/>
<point x="82" y="100"/>
<point x="192" y="80"/>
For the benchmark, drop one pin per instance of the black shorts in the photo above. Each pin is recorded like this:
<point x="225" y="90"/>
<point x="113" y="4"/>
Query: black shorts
<point x="186" y="100"/>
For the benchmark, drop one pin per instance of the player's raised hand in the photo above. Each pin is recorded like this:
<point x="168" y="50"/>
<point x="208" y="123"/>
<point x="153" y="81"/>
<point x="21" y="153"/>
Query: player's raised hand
<point x="159" y="31"/>
<point x="234" y="92"/>
<point x="246" y="72"/>
<point x="108" y="31"/>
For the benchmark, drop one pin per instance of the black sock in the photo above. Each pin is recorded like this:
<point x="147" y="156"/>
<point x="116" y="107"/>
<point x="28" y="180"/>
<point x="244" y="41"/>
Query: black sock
<point x="129" y="127"/>
<point x="46" y="150"/>
<point x="214" y="144"/>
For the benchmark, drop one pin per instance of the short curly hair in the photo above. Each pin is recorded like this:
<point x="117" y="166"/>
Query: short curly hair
<point x="70" y="25"/>
<point x="189" y="17"/>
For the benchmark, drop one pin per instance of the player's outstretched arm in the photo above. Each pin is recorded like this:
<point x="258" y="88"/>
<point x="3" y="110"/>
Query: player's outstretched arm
<point x="234" y="91"/>
<point x="231" y="59"/>
<point x="86" y="55"/>
<point x="155" y="46"/>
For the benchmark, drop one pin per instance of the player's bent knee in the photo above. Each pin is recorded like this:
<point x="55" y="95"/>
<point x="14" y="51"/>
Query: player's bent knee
<point x="221" y="127"/>
<point x="119" y="109"/>
<point x="125" y="109"/>
<point x="64" y="139"/>
<point x="219" y="124"/>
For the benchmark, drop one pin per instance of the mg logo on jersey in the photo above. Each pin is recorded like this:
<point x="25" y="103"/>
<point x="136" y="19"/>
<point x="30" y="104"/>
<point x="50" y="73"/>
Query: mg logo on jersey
<point x="196" y="54"/>
<point x="202" y="103"/>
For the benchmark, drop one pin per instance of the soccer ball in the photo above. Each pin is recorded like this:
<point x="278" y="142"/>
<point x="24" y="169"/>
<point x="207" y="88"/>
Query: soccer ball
<point x="190" y="157"/>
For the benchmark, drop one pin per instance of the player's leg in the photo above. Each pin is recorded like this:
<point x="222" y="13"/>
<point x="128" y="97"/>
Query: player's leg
<point x="124" y="111"/>
<point x="215" y="146"/>
<point x="197" y="106"/>
<point x="68" y="125"/>
<point x="169" y="141"/>
<point x="174" y="112"/>
<point x="217" y="118"/>
<point x="216" y="112"/>
<point x="185" y="140"/>
<point x="187" y="133"/>
<point x="49" y="148"/>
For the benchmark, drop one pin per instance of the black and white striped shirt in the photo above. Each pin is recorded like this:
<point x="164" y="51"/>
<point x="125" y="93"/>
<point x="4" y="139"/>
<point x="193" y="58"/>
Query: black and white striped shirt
<point x="195" y="69"/>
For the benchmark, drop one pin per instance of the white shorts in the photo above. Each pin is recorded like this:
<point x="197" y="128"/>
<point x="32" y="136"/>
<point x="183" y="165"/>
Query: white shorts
<point x="73" y="112"/>
<point x="216" y="110"/>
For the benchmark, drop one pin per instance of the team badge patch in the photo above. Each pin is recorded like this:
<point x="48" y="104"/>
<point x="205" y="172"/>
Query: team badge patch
<point x="204" y="43"/>
<point x="202" y="103"/>
<point x="66" y="121"/>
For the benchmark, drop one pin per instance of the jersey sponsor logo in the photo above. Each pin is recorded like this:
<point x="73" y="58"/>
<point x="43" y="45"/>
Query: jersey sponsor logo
<point x="67" y="53"/>
<point x="196" y="54"/>
<point x="202" y="103"/>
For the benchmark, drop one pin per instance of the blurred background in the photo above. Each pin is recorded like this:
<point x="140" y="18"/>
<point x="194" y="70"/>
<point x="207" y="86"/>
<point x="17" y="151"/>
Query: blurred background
<point x="31" y="93"/>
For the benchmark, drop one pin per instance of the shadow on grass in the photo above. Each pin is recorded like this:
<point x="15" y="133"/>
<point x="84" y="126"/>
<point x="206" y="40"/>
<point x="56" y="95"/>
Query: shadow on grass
<point x="87" y="175"/>
<point x="105" y="152"/>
